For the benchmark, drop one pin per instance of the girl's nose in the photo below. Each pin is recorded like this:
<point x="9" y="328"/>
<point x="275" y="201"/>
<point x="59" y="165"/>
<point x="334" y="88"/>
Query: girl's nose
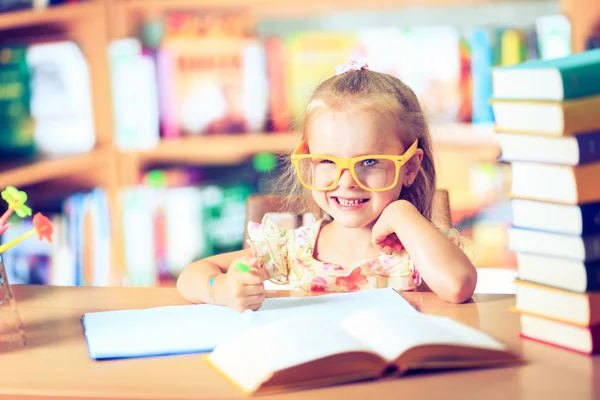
<point x="346" y="180"/>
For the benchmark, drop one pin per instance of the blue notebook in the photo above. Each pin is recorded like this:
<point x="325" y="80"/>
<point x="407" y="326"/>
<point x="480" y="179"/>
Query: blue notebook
<point x="200" y="327"/>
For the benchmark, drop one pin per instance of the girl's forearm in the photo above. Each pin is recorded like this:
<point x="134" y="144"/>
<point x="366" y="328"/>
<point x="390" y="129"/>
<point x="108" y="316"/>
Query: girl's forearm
<point x="193" y="282"/>
<point x="443" y="265"/>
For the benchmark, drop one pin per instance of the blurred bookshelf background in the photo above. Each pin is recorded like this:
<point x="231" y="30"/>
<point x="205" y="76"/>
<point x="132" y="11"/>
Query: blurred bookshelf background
<point x="142" y="126"/>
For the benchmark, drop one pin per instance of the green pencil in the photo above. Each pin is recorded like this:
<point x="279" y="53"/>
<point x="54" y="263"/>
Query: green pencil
<point x="242" y="267"/>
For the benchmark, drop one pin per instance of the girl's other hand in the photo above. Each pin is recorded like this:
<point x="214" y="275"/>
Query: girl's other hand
<point x="244" y="290"/>
<point x="383" y="235"/>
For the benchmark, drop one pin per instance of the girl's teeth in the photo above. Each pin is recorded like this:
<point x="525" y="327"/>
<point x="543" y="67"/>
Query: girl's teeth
<point x="349" y="202"/>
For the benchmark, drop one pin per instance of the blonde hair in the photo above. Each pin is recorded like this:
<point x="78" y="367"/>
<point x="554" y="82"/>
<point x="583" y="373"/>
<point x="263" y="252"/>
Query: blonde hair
<point x="389" y="96"/>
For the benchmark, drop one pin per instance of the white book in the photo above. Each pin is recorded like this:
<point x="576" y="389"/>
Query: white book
<point x="61" y="102"/>
<point x="314" y="351"/>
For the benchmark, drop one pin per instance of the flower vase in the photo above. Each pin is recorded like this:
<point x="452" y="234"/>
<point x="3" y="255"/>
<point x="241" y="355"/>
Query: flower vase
<point x="12" y="331"/>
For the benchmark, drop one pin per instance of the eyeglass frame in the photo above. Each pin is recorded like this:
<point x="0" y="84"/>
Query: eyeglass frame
<point x="349" y="163"/>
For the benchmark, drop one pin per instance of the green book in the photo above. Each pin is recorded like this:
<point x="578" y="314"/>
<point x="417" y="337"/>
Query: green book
<point x="558" y="79"/>
<point x="16" y="122"/>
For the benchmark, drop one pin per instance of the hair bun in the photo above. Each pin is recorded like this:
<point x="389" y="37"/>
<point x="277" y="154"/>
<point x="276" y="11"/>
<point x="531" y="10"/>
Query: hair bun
<point x="350" y="65"/>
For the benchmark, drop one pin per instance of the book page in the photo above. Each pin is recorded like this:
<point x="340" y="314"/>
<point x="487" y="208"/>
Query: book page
<point x="159" y="330"/>
<point x="334" y="308"/>
<point x="250" y="357"/>
<point x="392" y="333"/>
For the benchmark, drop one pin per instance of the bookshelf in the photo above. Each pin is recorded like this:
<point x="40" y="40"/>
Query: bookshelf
<point x="93" y="23"/>
<point x="63" y="15"/>
<point x="129" y="13"/>
<point x="45" y="169"/>
<point x="217" y="150"/>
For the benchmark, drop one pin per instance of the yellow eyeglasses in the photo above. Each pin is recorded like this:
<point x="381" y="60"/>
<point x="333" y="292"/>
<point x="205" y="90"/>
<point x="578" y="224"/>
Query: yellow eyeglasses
<point x="375" y="173"/>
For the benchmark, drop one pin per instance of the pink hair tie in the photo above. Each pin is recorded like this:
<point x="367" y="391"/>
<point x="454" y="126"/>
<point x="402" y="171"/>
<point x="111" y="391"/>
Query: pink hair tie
<point x="350" y="65"/>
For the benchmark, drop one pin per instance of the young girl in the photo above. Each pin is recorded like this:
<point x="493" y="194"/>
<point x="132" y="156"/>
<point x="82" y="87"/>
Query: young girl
<point x="366" y="161"/>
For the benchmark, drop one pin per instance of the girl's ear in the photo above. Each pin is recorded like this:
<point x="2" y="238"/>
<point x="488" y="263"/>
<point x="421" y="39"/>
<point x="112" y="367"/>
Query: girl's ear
<point x="412" y="167"/>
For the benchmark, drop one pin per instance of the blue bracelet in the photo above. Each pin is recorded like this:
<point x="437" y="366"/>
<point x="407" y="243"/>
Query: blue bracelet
<point x="211" y="286"/>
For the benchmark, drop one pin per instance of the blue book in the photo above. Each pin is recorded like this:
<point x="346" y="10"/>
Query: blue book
<point x="557" y="79"/>
<point x="577" y="220"/>
<point x="481" y="68"/>
<point x="579" y="248"/>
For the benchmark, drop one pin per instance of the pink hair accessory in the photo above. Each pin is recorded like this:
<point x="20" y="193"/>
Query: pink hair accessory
<point x="350" y="65"/>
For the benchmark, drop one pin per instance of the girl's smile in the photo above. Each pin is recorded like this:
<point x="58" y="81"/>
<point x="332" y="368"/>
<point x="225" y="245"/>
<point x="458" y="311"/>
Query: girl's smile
<point x="350" y="203"/>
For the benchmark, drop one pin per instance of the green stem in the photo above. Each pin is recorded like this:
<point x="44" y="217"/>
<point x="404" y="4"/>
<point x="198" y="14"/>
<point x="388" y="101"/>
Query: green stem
<point x="16" y="241"/>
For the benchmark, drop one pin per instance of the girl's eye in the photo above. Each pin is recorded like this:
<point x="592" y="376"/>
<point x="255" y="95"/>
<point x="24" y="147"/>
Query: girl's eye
<point x="326" y="162"/>
<point x="370" y="163"/>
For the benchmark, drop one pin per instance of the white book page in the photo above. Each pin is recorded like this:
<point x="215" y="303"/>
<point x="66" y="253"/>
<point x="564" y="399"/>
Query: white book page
<point x="390" y="333"/>
<point x="250" y="357"/>
<point x="333" y="307"/>
<point x="158" y="331"/>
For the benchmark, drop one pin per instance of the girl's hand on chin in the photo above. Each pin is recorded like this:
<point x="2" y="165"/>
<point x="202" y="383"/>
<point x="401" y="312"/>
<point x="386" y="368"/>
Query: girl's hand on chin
<point x="383" y="234"/>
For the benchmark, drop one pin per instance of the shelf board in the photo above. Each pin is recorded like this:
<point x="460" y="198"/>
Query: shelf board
<point x="296" y="8"/>
<point x="235" y="148"/>
<point x="52" y="15"/>
<point x="223" y="149"/>
<point x="42" y="170"/>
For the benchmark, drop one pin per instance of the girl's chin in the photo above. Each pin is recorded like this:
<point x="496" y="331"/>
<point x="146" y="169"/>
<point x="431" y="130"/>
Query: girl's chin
<point x="352" y="221"/>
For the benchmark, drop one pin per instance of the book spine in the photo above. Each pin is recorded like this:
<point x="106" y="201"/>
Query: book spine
<point x="589" y="147"/>
<point x="14" y="5"/>
<point x="581" y="81"/>
<point x="591" y="246"/>
<point x="590" y="217"/>
<point x="481" y="65"/>
<point x="595" y="333"/>
<point x="586" y="178"/>
<point x="593" y="41"/>
<point x="593" y="276"/>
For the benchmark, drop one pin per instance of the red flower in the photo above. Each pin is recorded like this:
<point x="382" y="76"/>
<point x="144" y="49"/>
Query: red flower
<point x="328" y="266"/>
<point x="43" y="227"/>
<point x="352" y="281"/>
<point x="416" y="277"/>
<point x="318" y="284"/>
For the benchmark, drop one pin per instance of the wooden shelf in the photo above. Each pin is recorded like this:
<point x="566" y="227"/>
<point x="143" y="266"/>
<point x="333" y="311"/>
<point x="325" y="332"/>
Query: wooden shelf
<point x="132" y="12"/>
<point x="47" y="169"/>
<point x="296" y="8"/>
<point x="67" y="13"/>
<point x="216" y="150"/>
<point x="231" y="148"/>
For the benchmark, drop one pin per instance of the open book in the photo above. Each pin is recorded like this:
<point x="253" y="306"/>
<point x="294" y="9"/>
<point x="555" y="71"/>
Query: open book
<point x="309" y="352"/>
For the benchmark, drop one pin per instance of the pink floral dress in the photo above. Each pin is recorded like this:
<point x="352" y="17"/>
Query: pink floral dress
<point x="287" y="256"/>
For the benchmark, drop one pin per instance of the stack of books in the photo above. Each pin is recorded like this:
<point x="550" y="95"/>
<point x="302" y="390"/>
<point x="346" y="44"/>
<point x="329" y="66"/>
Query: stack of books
<point x="547" y="115"/>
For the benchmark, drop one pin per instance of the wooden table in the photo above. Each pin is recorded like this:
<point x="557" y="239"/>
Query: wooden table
<point x="56" y="364"/>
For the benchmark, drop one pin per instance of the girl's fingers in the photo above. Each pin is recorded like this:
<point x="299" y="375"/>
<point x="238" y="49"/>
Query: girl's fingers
<point x="398" y="247"/>
<point x="254" y="302"/>
<point x="252" y="290"/>
<point x="253" y="277"/>
<point x="390" y="243"/>
<point x="380" y="232"/>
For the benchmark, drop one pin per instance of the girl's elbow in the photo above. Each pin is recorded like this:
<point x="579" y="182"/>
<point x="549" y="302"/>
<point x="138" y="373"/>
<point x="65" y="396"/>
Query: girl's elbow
<point x="463" y="289"/>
